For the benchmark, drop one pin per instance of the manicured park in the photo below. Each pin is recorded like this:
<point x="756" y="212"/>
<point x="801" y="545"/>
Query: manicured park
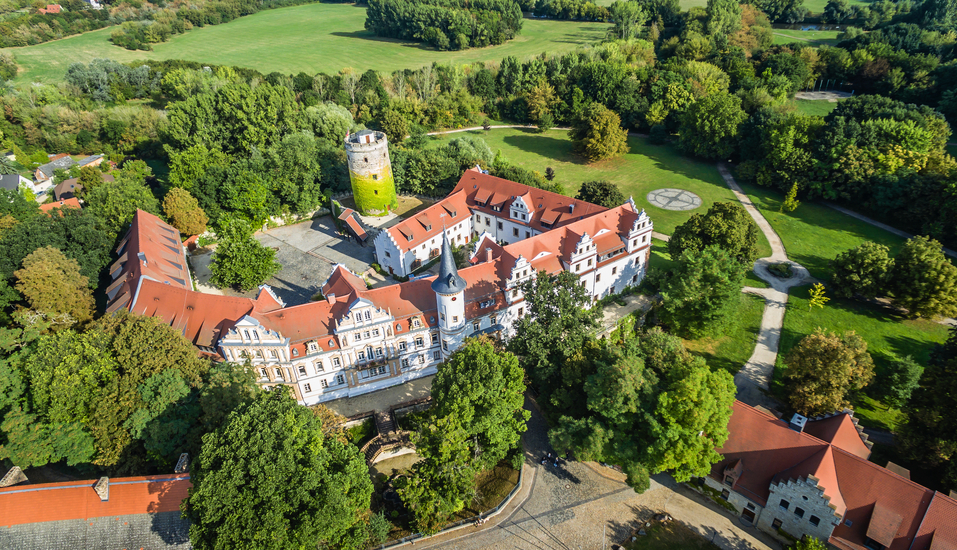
<point x="312" y="38"/>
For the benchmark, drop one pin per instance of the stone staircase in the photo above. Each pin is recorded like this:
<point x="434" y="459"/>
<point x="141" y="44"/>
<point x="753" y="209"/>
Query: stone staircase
<point x="384" y="423"/>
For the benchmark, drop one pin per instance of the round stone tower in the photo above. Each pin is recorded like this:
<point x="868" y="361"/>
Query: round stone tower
<point x="370" y="172"/>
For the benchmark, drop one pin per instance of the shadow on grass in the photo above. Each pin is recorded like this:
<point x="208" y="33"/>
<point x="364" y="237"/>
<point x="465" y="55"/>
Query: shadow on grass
<point x="530" y="141"/>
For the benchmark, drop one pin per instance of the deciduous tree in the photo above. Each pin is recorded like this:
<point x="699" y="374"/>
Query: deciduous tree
<point x="727" y="225"/>
<point x="601" y="192"/>
<point x="899" y="379"/>
<point x="703" y="291"/>
<point x="554" y="328"/>
<point x="240" y="260"/>
<point x="823" y="368"/>
<point x="598" y="134"/>
<point x="184" y="212"/>
<point x="269" y="479"/>
<point x="861" y="271"/>
<point x="709" y="126"/>
<point x="54" y="287"/>
<point x="115" y="202"/>
<point x="484" y="389"/>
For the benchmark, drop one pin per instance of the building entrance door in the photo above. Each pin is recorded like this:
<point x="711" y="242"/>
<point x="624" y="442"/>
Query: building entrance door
<point x="747" y="515"/>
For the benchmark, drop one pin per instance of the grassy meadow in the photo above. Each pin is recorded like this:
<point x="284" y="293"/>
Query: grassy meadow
<point x="311" y="38"/>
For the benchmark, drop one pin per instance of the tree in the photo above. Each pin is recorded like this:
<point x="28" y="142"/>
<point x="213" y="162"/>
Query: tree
<point x="598" y="135"/>
<point x="823" y="368"/>
<point x="709" y="126"/>
<point x="74" y="233"/>
<point x="861" y="271"/>
<point x="240" y="260"/>
<point x="184" y="212"/>
<point x="817" y="297"/>
<point x="724" y="16"/>
<point x="628" y="16"/>
<point x="115" y="202"/>
<point x="269" y="479"/>
<point x="549" y="173"/>
<point x="541" y="99"/>
<point x="726" y="224"/>
<point x="930" y="434"/>
<point x="395" y="126"/>
<point x="923" y="280"/>
<point x="443" y="482"/>
<point x="836" y="11"/>
<point x="188" y="166"/>
<point x="693" y="415"/>
<point x="54" y="287"/>
<point x="899" y="379"/>
<point x="556" y="325"/>
<point x="601" y="192"/>
<point x="703" y="291"/>
<point x="90" y="177"/>
<point x="809" y="543"/>
<point x="484" y="389"/>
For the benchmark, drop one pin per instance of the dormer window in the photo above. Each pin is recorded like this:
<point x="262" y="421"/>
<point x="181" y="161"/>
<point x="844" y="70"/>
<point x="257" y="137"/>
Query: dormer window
<point x="332" y="343"/>
<point x="295" y="352"/>
<point x="398" y="328"/>
<point x="368" y="315"/>
<point x="415" y="323"/>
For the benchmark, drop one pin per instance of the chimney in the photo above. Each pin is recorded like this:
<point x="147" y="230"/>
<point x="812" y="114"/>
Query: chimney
<point x="102" y="488"/>
<point x="182" y="465"/>
<point x="142" y="257"/>
<point x="571" y="208"/>
<point x="797" y="423"/>
<point x="331" y="298"/>
<point x="488" y="254"/>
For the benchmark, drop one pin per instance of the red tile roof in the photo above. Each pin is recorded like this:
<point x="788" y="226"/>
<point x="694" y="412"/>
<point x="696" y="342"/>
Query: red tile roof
<point x="878" y="502"/>
<point x="49" y="207"/>
<point x="556" y="209"/>
<point x="938" y="530"/>
<point x="421" y="227"/>
<point x="841" y="431"/>
<point x="77" y="499"/>
<point x="151" y="249"/>
<point x="819" y="466"/>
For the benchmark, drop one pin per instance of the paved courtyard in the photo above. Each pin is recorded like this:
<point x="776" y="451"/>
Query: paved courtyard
<point x="307" y="252"/>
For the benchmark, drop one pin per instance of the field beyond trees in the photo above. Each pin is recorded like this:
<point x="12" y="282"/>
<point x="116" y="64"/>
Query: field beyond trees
<point x="312" y="38"/>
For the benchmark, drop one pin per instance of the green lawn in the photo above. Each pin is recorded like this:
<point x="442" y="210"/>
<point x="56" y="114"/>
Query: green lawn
<point x="884" y="331"/>
<point x="732" y="350"/>
<point x="819" y="107"/>
<point x="814" y="38"/>
<point x="817" y="6"/>
<point x="646" y="168"/>
<point x="312" y="38"/>
<point x="814" y="234"/>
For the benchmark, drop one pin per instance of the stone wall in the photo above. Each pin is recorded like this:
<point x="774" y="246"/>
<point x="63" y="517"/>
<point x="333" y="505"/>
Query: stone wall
<point x="800" y="495"/>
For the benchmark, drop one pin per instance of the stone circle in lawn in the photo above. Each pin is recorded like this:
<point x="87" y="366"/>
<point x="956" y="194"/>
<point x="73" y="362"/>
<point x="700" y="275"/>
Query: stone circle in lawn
<point x="674" y="199"/>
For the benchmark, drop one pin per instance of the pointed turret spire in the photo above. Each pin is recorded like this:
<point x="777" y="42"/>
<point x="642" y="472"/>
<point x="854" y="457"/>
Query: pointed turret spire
<point x="448" y="281"/>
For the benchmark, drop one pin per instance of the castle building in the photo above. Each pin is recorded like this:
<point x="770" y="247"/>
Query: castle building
<point x="370" y="171"/>
<point x="358" y="340"/>
<point x="812" y="477"/>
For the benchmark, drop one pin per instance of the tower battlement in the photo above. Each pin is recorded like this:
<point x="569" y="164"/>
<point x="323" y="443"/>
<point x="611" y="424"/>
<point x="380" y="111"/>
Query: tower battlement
<point x="370" y="172"/>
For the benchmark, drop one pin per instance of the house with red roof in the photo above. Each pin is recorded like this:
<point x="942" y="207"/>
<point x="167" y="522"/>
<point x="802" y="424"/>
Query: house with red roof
<point x="510" y="212"/>
<point x="812" y="477"/>
<point x="50" y="8"/>
<point x="50" y="207"/>
<point x="357" y="340"/>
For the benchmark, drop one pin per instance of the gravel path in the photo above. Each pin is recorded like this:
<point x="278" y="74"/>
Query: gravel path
<point x="753" y="379"/>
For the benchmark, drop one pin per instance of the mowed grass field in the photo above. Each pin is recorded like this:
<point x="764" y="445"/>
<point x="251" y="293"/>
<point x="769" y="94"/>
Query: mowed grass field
<point x="812" y="235"/>
<point x="816" y="107"/>
<point x="312" y="38"/>
<point x="645" y="168"/>
<point x="814" y="38"/>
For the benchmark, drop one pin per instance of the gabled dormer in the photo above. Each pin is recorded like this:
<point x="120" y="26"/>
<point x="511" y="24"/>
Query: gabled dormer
<point x="248" y="330"/>
<point x="521" y="209"/>
<point x="520" y="271"/>
<point x="639" y="234"/>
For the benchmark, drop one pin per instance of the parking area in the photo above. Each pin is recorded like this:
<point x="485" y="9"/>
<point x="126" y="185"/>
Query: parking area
<point x="307" y="252"/>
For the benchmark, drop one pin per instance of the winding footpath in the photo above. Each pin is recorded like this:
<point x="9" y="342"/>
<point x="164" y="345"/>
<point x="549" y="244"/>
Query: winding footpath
<point x="753" y="380"/>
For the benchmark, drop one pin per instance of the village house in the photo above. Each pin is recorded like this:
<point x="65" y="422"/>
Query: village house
<point x="356" y="340"/>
